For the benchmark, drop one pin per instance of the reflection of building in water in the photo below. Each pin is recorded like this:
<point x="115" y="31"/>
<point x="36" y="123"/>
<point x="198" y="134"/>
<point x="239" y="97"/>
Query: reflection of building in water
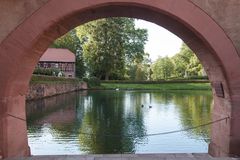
<point x="61" y="59"/>
<point x="56" y="109"/>
<point x="62" y="116"/>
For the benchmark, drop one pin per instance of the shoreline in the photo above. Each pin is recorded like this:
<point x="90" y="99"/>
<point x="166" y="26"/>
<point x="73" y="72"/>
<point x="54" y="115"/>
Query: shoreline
<point x="159" y="86"/>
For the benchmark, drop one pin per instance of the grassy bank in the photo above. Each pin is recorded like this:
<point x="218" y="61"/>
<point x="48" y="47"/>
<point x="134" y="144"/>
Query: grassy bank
<point x="159" y="86"/>
<point x="130" y="85"/>
<point x="50" y="79"/>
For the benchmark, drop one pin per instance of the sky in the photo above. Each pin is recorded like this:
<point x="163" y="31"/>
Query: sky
<point x="160" y="42"/>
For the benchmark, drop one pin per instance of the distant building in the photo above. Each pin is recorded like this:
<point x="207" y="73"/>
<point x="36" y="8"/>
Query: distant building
<point x="61" y="59"/>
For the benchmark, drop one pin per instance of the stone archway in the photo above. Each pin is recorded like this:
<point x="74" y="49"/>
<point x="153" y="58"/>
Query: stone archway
<point x="21" y="49"/>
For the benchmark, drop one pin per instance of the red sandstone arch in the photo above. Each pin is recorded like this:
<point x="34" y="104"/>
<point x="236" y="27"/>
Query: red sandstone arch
<point x="21" y="50"/>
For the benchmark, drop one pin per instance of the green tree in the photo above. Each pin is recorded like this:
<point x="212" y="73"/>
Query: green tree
<point x="73" y="43"/>
<point x="139" y="68"/>
<point x="195" y="68"/>
<point x="110" y="44"/>
<point x="163" y="68"/>
<point x="186" y="63"/>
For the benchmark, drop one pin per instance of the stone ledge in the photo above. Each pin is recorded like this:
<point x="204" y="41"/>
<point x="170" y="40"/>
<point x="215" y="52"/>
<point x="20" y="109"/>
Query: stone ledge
<point x="41" y="90"/>
<point x="179" y="156"/>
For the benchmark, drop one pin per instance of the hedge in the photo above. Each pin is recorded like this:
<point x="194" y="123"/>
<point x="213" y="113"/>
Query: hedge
<point x="42" y="78"/>
<point x="155" y="82"/>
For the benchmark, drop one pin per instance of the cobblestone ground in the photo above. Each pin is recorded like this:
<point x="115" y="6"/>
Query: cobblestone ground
<point x="183" y="156"/>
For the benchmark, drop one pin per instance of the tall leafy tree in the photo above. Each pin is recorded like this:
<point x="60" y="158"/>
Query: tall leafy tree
<point x="163" y="68"/>
<point x="186" y="63"/>
<point x="74" y="44"/>
<point x="139" y="69"/>
<point x="183" y="64"/>
<point x="111" y="43"/>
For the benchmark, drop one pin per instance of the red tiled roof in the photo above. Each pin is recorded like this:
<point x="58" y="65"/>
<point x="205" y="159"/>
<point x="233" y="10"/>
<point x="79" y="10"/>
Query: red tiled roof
<point x="57" y="55"/>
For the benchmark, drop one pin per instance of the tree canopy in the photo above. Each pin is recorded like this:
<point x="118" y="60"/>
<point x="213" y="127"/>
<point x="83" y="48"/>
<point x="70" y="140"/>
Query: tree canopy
<point x="182" y="65"/>
<point x="163" y="68"/>
<point x="113" y="48"/>
<point x="111" y="44"/>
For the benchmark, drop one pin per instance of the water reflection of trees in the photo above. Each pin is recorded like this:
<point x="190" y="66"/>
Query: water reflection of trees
<point x="164" y="97"/>
<point x="107" y="113"/>
<point x="194" y="108"/>
<point x="103" y="113"/>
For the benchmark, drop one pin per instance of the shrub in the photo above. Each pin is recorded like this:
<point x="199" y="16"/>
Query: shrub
<point x="47" y="79"/>
<point x="46" y="71"/>
<point x="92" y="81"/>
<point x="198" y="77"/>
<point x="159" y="81"/>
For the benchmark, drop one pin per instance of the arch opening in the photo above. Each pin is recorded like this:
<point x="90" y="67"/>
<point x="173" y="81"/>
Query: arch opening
<point x="24" y="46"/>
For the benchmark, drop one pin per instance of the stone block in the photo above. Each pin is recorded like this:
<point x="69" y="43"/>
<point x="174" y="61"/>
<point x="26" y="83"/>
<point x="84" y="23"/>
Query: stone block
<point x="14" y="135"/>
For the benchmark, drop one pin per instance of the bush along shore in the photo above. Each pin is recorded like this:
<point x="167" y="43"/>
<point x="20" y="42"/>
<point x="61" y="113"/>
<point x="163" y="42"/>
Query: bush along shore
<point x="158" y="85"/>
<point x="178" y="84"/>
<point x="175" y="84"/>
<point x="52" y="79"/>
<point x="94" y="83"/>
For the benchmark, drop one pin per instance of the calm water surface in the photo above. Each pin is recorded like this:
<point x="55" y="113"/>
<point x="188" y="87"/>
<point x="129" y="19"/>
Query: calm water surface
<point x="116" y="122"/>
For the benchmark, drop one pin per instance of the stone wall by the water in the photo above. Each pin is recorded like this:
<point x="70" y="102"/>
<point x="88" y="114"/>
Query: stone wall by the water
<point x="41" y="90"/>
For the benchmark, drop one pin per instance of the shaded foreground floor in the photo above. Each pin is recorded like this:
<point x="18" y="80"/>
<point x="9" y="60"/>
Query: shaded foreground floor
<point x="183" y="156"/>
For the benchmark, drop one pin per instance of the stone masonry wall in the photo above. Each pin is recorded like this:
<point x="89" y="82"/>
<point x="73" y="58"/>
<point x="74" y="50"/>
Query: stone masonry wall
<point x="14" y="12"/>
<point x="38" y="90"/>
<point x="224" y="12"/>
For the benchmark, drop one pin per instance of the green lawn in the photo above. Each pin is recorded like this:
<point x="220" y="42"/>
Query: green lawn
<point x="161" y="86"/>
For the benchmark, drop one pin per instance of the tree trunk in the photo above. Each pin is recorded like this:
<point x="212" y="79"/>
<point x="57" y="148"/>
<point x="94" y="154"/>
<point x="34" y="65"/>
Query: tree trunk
<point x="107" y="76"/>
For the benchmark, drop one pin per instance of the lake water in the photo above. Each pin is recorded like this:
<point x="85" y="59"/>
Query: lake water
<point x="119" y="122"/>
